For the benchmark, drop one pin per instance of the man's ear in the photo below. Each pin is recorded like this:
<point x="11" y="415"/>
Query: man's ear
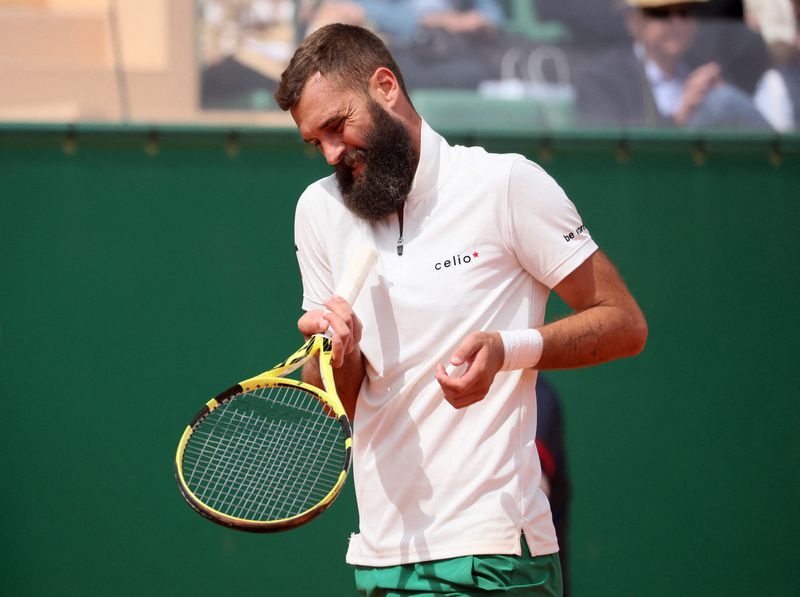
<point x="384" y="88"/>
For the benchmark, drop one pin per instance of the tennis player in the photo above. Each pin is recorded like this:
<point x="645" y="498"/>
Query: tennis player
<point x="470" y="244"/>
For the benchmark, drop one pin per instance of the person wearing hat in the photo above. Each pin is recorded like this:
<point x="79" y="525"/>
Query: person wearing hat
<point x="653" y="83"/>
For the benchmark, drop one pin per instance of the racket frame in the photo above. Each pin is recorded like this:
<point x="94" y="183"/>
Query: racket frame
<point x="316" y="344"/>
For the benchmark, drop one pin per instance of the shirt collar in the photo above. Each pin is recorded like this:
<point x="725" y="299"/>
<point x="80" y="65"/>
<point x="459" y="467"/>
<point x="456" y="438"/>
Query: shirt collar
<point x="654" y="73"/>
<point x="427" y="173"/>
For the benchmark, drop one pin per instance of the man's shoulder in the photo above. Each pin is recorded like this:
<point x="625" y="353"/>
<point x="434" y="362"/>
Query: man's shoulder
<point x="323" y="187"/>
<point x="321" y="193"/>
<point x="480" y="160"/>
<point x="321" y="200"/>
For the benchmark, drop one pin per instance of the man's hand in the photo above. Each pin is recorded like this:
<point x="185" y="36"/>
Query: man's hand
<point x="347" y="357"/>
<point x="698" y="85"/>
<point x="341" y="319"/>
<point x="483" y="354"/>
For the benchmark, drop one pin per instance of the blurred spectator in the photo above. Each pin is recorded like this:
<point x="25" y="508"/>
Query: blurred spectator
<point x="441" y="43"/>
<point x="724" y="37"/>
<point x="778" y="93"/>
<point x="776" y="22"/>
<point x="405" y="20"/>
<point x="553" y="456"/>
<point x="437" y="43"/>
<point x="245" y="46"/>
<point x="654" y="82"/>
<point x="312" y="15"/>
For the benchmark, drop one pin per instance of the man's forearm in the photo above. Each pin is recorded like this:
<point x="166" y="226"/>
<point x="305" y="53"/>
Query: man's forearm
<point x="597" y="335"/>
<point x="607" y="323"/>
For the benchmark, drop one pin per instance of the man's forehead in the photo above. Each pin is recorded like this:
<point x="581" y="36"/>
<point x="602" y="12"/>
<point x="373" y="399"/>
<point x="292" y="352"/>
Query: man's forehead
<point x="317" y="99"/>
<point x="320" y="100"/>
<point x="318" y="84"/>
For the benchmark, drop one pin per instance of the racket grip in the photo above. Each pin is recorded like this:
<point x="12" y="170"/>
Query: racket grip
<point x="361" y="262"/>
<point x="359" y="265"/>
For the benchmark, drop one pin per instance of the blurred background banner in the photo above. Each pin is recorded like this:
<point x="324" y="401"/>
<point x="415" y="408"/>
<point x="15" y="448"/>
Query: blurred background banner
<point x="522" y="65"/>
<point x="148" y="183"/>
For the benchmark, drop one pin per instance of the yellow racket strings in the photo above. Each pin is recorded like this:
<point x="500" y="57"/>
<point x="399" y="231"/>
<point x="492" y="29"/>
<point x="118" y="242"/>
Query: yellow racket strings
<point x="266" y="455"/>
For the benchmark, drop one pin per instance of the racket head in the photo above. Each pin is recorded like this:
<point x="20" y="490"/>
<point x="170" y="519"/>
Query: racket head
<point x="269" y="453"/>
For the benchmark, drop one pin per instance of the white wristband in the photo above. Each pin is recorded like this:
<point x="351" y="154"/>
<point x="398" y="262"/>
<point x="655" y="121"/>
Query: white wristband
<point x="523" y="348"/>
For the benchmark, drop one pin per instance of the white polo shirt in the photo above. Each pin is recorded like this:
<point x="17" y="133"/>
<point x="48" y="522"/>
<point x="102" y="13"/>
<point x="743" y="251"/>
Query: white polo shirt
<point x="485" y="238"/>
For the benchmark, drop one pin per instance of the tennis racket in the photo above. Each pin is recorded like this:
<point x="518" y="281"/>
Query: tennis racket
<point x="271" y="453"/>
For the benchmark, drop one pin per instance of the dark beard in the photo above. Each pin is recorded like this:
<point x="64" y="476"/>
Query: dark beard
<point x="389" y="166"/>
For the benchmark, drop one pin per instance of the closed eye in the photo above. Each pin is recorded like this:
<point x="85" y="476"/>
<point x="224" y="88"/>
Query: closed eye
<point x="335" y="124"/>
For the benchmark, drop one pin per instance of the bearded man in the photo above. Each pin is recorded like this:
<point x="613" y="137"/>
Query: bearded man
<point x="470" y="244"/>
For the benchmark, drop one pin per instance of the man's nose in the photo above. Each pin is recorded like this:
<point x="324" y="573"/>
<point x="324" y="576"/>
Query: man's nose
<point x="333" y="151"/>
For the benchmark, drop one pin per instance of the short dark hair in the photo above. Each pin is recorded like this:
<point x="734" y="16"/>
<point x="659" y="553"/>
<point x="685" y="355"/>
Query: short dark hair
<point x="346" y="54"/>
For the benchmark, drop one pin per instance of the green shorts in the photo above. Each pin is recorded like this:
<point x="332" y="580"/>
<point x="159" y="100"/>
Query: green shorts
<point x="466" y="576"/>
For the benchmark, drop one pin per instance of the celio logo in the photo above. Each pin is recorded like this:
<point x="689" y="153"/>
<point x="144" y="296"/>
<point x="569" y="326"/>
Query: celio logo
<point x="456" y="260"/>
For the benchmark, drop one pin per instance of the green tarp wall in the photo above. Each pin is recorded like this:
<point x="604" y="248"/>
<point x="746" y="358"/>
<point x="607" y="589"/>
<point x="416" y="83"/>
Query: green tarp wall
<point x="141" y="269"/>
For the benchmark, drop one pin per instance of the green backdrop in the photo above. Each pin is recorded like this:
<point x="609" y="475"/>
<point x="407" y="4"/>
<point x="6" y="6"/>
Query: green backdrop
<point x="140" y="269"/>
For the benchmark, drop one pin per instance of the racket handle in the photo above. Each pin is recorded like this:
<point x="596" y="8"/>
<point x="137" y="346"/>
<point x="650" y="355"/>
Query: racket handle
<point x="358" y="267"/>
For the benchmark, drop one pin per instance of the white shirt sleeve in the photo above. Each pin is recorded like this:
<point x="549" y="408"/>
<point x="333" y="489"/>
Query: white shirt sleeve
<point x="545" y="230"/>
<point x="315" y="269"/>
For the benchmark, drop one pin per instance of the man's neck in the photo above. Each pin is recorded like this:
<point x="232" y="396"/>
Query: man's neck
<point x="414" y="126"/>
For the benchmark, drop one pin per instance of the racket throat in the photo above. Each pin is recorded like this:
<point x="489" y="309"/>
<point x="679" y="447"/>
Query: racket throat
<point x="400" y="211"/>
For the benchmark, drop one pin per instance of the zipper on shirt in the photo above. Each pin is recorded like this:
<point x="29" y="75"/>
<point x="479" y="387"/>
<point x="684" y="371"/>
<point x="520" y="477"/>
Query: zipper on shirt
<point x="400" y="221"/>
